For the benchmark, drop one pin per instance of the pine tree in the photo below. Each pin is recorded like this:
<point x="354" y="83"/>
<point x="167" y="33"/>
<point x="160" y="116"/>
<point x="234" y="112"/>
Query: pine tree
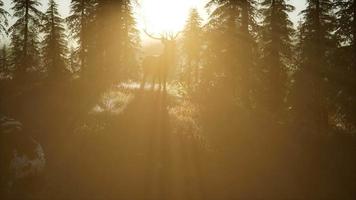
<point x="108" y="42"/>
<point x="316" y="42"/>
<point x="192" y="44"/>
<point x="235" y="21"/>
<point x="4" y="63"/>
<point x="222" y="24"/>
<point x="81" y="23"/>
<point x="344" y="73"/>
<point x="54" y="43"/>
<point x="347" y="22"/>
<point x="130" y="41"/>
<point x="3" y="19"/>
<point x="24" y="37"/>
<point x="277" y="33"/>
<point x="73" y="60"/>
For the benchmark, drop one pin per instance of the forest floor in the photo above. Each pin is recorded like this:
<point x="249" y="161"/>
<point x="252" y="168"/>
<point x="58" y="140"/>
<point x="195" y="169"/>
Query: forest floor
<point x="134" y="144"/>
<point x="145" y="144"/>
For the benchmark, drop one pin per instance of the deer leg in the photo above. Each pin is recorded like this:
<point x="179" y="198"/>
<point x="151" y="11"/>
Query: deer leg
<point x="143" y="83"/>
<point x="153" y="82"/>
<point x="160" y="82"/>
<point x="164" y="82"/>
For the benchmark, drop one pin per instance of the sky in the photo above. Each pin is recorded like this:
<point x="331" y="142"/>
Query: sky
<point x="169" y="16"/>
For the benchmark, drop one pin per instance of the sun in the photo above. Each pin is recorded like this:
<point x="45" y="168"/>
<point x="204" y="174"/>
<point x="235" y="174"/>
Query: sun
<point x="159" y="16"/>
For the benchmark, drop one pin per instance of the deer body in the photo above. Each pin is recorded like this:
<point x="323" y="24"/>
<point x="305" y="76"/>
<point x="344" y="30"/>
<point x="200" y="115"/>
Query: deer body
<point x="157" y="67"/>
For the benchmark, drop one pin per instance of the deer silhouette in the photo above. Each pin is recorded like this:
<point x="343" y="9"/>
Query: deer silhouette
<point x="157" y="66"/>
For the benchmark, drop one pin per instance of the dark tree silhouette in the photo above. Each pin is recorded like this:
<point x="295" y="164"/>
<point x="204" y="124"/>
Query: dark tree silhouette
<point x="277" y="33"/>
<point x="192" y="46"/>
<point x="316" y="43"/>
<point x="73" y="60"/>
<point x="109" y="35"/>
<point x="24" y="37"/>
<point x="4" y="63"/>
<point x="130" y="42"/>
<point x="236" y="22"/>
<point x="3" y="19"/>
<point x="347" y="22"/>
<point x="54" y="43"/>
<point x="81" y="23"/>
<point x="343" y="75"/>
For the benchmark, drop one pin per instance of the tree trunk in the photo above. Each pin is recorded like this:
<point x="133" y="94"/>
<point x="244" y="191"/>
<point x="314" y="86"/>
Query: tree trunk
<point x="354" y="35"/>
<point x="322" y="113"/>
<point x="24" y="60"/>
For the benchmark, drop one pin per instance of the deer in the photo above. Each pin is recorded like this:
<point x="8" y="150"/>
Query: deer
<point x="157" y="66"/>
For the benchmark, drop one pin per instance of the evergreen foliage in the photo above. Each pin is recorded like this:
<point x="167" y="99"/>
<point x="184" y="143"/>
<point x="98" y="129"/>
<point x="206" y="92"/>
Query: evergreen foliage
<point x="25" y="38"/>
<point x="54" y="43"/>
<point x="193" y="46"/>
<point x="277" y="47"/>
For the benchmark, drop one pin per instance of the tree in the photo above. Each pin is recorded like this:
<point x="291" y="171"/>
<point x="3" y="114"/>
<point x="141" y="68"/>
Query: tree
<point x="109" y="18"/>
<point x="317" y="41"/>
<point x="54" y="43"/>
<point x="277" y="33"/>
<point x="24" y="37"/>
<point x="347" y="23"/>
<point x="192" y="44"/>
<point x="3" y="19"/>
<point x="73" y="60"/>
<point x="343" y="75"/>
<point x="235" y="21"/>
<point x="130" y="41"/>
<point x="81" y="23"/>
<point x="4" y="63"/>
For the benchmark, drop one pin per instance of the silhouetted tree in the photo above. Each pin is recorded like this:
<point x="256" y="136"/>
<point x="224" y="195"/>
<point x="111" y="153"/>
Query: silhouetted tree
<point x="3" y="19"/>
<point x="4" y="63"/>
<point x="73" y="60"/>
<point x="24" y="37"/>
<point x="130" y="41"/>
<point x="347" y="23"/>
<point x="54" y="43"/>
<point x="277" y="33"/>
<point x="81" y="22"/>
<point x="343" y="75"/>
<point x="233" y="25"/>
<point x="108" y="42"/>
<point x="192" y="45"/>
<point x="317" y="42"/>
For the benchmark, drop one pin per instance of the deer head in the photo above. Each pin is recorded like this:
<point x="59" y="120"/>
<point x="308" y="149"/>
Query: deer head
<point x="168" y="40"/>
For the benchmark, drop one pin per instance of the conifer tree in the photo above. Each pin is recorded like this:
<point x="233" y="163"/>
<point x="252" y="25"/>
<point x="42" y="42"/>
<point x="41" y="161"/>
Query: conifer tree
<point x="3" y="19"/>
<point x="235" y="21"/>
<point x="130" y="42"/>
<point x="4" y="63"/>
<point x="73" y="60"/>
<point x="192" y="44"/>
<point x="347" y="23"/>
<point x="81" y="24"/>
<point x="277" y="33"/>
<point x="24" y="37"/>
<point x="316" y="42"/>
<point x="345" y="65"/>
<point x="109" y="19"/>
<point x="54" y="43"/>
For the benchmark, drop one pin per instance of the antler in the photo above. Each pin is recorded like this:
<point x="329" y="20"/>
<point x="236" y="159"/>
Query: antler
<point x="172" y="36"/>
<point x="177" y="34"/>
<point x="152" y="36"/>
